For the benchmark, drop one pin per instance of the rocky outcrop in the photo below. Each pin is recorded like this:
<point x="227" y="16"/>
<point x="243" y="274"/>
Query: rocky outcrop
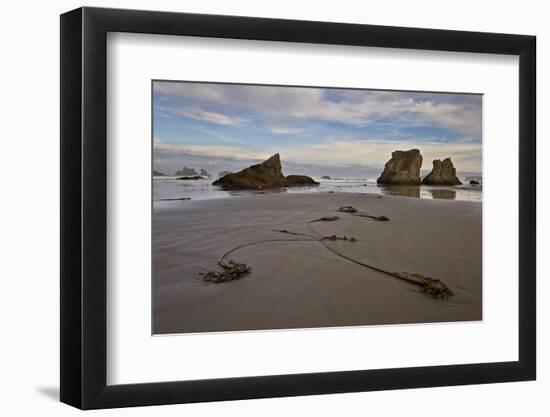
<point x="204" y="173"/>
<point x="474" y="177"/>
<point x="325" y="177"/>
<point x="267" y="174"/>
<point x="403" y="168"/>
<point x="158" y="173"/>
<point x="443" y="173"/>
<point x="187" y="172"/>
<point x="293" y="180"/>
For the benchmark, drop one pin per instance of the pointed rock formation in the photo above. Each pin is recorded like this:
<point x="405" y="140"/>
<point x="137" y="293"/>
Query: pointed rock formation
<point x="443" y="173"/>
<point x="403" y="168"/>
<point x="267" y="174"/>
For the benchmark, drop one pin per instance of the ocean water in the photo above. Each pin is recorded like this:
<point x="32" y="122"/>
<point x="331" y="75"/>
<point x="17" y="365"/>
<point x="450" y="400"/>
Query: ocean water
<point x="167" y="190"/>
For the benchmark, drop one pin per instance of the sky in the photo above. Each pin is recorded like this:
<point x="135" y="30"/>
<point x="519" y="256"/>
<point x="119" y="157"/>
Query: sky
<point x="217" y="126"/>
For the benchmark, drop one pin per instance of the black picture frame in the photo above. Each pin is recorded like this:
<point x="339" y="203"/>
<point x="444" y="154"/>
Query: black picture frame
<point x="84" y="207"/>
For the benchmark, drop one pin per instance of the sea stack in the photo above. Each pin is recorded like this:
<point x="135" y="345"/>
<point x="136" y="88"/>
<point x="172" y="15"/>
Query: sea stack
<point x="443" y="173"/>
<point x="402" y="169"/>
<point x="186" y="172"/>
<point x="267" y="174"/>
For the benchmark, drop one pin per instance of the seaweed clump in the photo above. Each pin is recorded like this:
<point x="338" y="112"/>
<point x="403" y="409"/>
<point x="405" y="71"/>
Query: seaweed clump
<point x="230" y="271"/>
<point x="325" y="219"/>
<point x="377" y="218"/>
<point x="436" y="288"/>
<point x="432" y="287"/>
<point x="354" y="212"/>
<point x="347" y="209"/>
<point x="334" y="237"/>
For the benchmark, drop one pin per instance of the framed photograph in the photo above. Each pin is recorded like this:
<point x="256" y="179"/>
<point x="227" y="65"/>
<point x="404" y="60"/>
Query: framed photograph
<point x="257" y="208"/>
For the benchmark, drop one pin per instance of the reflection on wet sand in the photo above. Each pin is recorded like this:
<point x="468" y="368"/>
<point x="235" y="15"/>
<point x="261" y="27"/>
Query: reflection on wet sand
<point x="401" y="190"/>
<point x="443" y="194"/>
<point x="418" y="191"/>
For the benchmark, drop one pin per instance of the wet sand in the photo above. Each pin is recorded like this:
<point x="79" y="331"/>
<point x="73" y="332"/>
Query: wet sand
<point x="303" y="284"/>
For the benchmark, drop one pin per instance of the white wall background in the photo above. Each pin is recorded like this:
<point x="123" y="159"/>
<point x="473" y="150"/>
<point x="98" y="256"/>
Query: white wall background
<point x="29" y="225"/>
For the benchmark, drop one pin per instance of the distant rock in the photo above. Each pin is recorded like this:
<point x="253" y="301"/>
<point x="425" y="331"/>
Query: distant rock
<point x="187" y="172"/>
<point x="204" y="173"/>
<point x="403" y="168"/>
<point x="267" y="174"/>
<point x="474" y="182"/>
<point x="224" y="173"/>
<point x="443" y="173"/>
<point x="477" y="178"/>
<point x="325" y="177"/>
<point x="300" y="180"/>
<point x="158" y="174"/>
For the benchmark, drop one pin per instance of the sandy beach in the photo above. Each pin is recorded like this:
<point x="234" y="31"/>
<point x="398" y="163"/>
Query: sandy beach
<point x="302" y="284"/>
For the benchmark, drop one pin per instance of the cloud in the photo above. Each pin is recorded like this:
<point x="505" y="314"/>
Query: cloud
<point x="331" y="126"/>
<point x="205" y="91"/>
<point x="203" y="115"/>
<point x="375" y="153"/>
<point x="458" y="112"/>
<point x="368" y="153"/>
<point x="285" y="130"/>
<point x="215" y="151"/>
